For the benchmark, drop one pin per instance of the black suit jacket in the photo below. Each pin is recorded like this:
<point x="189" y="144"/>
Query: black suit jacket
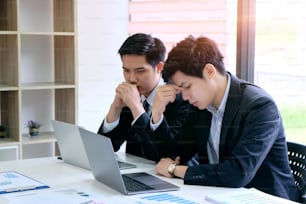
<point x="253" y="149"/>
<point x="141" y="141"/>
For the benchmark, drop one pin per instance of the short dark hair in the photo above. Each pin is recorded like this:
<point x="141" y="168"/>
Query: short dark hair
<point x="190" y="56"/>
<point x="143" y="44"/>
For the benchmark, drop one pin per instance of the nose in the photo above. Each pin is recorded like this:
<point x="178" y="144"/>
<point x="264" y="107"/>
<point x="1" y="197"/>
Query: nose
<point x="132" y="77"/>
<point x="185" y="95"/>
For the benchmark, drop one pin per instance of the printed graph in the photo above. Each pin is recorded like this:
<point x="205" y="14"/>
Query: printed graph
<point x="165" y="198"/>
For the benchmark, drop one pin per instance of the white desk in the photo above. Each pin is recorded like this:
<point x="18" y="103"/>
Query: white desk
<point x="59" y="175"/>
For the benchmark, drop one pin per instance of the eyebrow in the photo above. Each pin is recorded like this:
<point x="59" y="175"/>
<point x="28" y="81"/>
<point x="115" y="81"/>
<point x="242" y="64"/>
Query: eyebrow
<point x="182" y="84"/>
<point x="134" y="68"/>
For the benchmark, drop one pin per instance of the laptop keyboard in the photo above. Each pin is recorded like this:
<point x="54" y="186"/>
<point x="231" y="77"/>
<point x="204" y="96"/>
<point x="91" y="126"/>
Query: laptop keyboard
<point x="124" y="165"/>
<point x="133" y="185"/>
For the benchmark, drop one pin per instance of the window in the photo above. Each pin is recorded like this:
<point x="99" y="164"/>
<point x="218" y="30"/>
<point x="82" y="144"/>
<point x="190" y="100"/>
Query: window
<point x="280" y="60"/>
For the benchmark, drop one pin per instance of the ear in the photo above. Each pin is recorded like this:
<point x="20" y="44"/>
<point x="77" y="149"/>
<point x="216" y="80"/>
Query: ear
<point x="159" y="67"/>
<point x="209" y="71"/>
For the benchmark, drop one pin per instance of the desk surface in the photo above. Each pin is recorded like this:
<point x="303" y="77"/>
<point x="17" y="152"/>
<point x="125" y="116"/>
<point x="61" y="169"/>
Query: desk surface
<point x="59" y="175"/>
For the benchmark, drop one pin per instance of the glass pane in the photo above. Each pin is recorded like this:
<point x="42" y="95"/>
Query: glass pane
<point x="280" y="66"/>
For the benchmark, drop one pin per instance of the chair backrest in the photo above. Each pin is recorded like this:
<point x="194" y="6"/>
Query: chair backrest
<point x="297" y="159"/>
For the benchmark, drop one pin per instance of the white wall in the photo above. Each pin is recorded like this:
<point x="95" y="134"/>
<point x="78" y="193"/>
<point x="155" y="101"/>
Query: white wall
<point x="102" y="27"/>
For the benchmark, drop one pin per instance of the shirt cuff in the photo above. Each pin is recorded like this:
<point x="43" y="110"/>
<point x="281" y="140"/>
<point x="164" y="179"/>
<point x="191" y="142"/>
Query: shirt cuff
<point x="134" y="121"/>
<point x="156" y="125"/>
<point x="107" y="127"/>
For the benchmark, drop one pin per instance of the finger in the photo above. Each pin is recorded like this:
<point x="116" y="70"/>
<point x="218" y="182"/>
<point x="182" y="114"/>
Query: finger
<point x="169" y="97"/>
<point x="120" y="88"/>
<point x="177" y="160"/>
<point x="172" y="91"/>
<point x="173" y="86"/>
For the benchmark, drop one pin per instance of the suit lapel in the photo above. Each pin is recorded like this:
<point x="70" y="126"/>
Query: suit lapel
<point x="232" y="107"/>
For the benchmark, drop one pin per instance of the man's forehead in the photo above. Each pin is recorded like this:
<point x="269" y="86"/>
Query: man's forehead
<point x="177" y="83"/>
<point x="179" y="79"/>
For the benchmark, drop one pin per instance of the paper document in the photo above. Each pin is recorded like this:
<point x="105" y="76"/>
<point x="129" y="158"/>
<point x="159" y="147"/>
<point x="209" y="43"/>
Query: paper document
<point x="249" y="196"/>
<point x="12" y="181"/>
<point x="52" y="196"/>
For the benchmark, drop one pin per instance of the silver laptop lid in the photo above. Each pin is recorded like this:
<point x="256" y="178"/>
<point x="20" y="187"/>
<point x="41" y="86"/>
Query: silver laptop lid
<point x="70" y="144"/>
<point x="102" y="159"/>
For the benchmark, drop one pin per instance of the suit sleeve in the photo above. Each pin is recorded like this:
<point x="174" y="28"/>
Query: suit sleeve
<point x="120" y="133"/>
<point x="158" y="143"/>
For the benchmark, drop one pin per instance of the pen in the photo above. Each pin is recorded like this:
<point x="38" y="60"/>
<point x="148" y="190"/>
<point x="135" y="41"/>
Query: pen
<point x="27" y="187"/>
<point x="8" y="190"/>
<point x="23" y="188"/>
<point x="87" y="202"/>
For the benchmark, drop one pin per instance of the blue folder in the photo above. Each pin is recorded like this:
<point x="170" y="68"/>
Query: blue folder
<point x="12" y="181"/>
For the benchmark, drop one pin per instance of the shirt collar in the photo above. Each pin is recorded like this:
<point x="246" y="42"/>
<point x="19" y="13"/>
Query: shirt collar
<point x="150" y="98"/>
<point x="221" y="108"/>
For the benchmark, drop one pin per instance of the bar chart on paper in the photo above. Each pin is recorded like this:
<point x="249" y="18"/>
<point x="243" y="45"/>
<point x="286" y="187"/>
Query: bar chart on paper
<point x="164" y="198"/>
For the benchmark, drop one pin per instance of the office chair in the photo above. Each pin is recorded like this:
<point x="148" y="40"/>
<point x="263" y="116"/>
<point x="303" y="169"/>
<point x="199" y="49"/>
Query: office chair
<point x="297" y="161"/>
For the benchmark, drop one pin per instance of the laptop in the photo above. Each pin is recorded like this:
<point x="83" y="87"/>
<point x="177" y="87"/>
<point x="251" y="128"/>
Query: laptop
<point x="71" y="146"/>
<point x="106" y="170"/>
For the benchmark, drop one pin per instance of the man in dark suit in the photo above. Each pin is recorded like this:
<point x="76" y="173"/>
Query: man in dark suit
<point x="235" y="127"/>
<point x="128" y="120"/>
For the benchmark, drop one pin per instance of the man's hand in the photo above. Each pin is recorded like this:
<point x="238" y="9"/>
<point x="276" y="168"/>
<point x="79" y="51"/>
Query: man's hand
<point x="115" y="108"/>
<point x="130" y="96"/>
<point x="128" y="93"/>
<point x="163" y="164"/>
<point x="165" y="94"/>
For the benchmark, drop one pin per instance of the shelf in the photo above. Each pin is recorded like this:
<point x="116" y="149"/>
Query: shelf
<point x="64" y="59"/>
<point x="38" y="67"/>
<point x="8" y="32"/>
<point x="9" y="152"/>
<point x="43" y="145"/>
<point x="43" y="137"/>
<point x="63" y="34"/>
<point x="64" y="15"/>
<point x="35" y="15"/>
<point x="9" y="113"/>
<point x="45" y="85"/>
<point x="65" y="105"/>
<point x="55" y="64"/>
<point x="9" y="60"/>
<point x="37" y="105"/>
<point x="6" y="87"/>
<point x="41" y="33"/>
<point x="8" y="15"/>
<point x="7" y="142"/>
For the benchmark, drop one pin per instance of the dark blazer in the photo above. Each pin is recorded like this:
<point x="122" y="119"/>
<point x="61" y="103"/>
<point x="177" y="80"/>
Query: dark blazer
<point x="141" y="141"/>
<point x="253" y="149"/>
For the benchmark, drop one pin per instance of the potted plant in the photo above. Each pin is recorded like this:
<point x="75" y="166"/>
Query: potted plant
<point x="3" y="131"/>
<point x="33" y="127"/>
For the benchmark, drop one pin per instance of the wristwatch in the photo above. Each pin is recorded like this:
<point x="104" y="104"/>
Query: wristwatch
<point x="171" y="168"/>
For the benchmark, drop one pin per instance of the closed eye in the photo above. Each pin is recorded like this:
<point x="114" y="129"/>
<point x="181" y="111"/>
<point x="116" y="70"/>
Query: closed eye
<point x="185" y="86"/>
<point x="140" y="70"/>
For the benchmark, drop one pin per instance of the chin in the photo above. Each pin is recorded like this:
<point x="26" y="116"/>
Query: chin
<point x="201" y="107"/>
<point x="139" y="90"/>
